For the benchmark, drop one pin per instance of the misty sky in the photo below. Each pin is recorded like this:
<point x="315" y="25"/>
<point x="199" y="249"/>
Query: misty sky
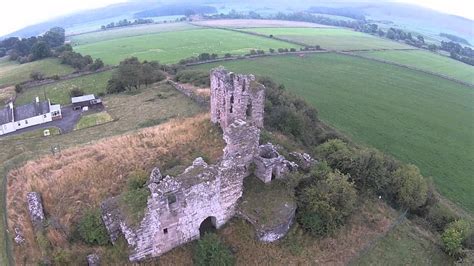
<point x="16" y="14"/>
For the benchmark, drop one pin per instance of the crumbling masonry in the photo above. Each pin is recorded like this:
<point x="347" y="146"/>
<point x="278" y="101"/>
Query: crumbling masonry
<point x="204" y="194"/>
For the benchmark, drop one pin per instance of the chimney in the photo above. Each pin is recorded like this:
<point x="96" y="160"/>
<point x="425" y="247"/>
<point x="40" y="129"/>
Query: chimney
<point x="37" y="99"/>
<point x="11" y="105"/>
<point x="13" y="111"/>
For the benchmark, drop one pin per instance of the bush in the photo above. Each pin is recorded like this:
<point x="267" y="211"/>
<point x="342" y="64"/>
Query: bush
<point x="439" y="217"/>
<point x="453" y="237"/>
<point x="210" y="251"/>
<point x="411" y="186"/>
<point x="91" y="229"/>
<point x="56" y="77"/>
<point x="325" y="199"/>
<point x="137" y="180"/>
<point x="198" y="78"/>
<point x="36" y="75"/>
<point x="18" y="88"/>
<point x="76" y="92"/>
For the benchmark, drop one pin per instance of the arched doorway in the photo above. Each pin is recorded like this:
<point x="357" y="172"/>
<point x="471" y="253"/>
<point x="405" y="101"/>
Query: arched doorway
<point x="208" y="226"/>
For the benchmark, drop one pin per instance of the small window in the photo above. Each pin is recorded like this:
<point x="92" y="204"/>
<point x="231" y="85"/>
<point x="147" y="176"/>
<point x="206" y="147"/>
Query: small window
<point x="165" y="231"/>
<point x="26" y="122"/>
<point x="171" y="199"/>
<point x="19" y="124"/>
<point x="44" y="116"/>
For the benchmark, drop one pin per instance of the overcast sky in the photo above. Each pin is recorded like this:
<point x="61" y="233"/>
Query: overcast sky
<point x="16" y="14"/>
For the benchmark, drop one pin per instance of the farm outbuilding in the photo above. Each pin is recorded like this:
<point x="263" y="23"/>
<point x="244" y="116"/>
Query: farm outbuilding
<point x="89" y="101"/>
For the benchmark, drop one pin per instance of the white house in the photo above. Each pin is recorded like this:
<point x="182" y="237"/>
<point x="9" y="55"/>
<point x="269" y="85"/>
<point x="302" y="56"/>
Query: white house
<point x="35" y="113"/>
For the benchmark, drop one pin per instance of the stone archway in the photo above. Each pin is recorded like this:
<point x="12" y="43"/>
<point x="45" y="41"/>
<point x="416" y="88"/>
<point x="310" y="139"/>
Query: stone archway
<point x="208" y="226"/>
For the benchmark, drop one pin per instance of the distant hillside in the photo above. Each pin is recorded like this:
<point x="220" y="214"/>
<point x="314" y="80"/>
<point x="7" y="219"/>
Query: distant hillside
<point x="176" y="9"/>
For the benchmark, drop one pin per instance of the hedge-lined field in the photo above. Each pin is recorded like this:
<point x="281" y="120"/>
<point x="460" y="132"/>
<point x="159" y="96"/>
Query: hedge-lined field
<point x="331" y="39"/>
<point x="418" y="118"/>
<point x="170" y="47"/>
<point x="427" y="61"/>
<point x="11" y="72"/>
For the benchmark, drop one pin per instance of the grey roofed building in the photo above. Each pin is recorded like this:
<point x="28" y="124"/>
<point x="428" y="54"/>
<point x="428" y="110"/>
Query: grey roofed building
<point x="83" y="98"/>
<point x="31" y="110"/>
<point x="5" y="115"/>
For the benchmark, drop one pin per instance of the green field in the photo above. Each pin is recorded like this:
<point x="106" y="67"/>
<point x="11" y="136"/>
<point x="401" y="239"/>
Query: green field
<point x="417" y="117"/>
<point x="94" y="119"/>
<point x="331" y="39"/>
<point x="170" y="47"/>
<point x="12" y="72"/>
<point x="427" y="61"/>
<point x="59" y="92"/>
<point x="128" y="32"/>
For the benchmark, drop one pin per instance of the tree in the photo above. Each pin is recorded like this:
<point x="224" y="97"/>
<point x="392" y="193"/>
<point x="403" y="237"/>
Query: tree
<point x="325" y="200"/>
<point x="421" y="39"/>
<point x="91" y="229"/>
<point x="453" y="237"/>
<point x="76" y="92"/>
<point x="40" y="50"/>
<point x="210" y="251"/>
<point x="36" y="75"/>
<point x="411" y="186"/>
<point x="55" y="37"/>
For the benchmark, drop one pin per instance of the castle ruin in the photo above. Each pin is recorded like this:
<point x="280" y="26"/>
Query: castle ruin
<point x="180" y="208"/>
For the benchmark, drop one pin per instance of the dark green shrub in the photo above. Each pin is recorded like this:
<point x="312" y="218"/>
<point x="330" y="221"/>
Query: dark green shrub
<point x="210" y="251"/>
<point x="137" y="179"/>
<point x="198" y="78"/>
<point x="91" y="229"/>
<point x="76" y="92"/>
<point x="18" y="88"/>
<point x="325" y="200"/>
<point x="439" y="217"/>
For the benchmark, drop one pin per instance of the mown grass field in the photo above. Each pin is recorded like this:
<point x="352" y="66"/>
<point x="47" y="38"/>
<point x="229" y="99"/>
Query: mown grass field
<point x="12" y="72"/>
<point x="418" y="118"/>
<point x="94" y="119"/>
<point x="60" y="92"/>
<point x="128" y="32"/>
<point x="170" y="47"/>
<point x="331" y="39"/>
<point x="426" y="61"/>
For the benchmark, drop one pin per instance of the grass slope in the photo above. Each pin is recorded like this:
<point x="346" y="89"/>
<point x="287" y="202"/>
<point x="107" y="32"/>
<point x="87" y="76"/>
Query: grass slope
<point x="427" y="61"/>
<point x="170" y="47"/>
<point x="59" y="92"/>
<point x="331" y="39"/>
<point x="12" y="72"/>
<point x="128" y="32"/>
<point x="417" y="117"/>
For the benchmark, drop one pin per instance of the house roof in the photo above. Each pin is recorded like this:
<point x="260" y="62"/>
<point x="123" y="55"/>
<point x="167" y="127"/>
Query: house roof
<point x="83" y="98"/>
<point x="5" y="115"/>
<point x="31" y="110"/>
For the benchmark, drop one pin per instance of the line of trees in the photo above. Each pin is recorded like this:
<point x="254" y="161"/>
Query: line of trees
<point x="126" y="22"/>
<point x="131" y="74"/>
<point x="78" y="61"/>
<point x="33" y="48"/>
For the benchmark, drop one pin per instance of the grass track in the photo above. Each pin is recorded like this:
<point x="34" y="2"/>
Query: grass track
<point x="170" y="47"/>
<point x="59" y="92"/>
<point x="426" y="61"/>
<point x="417" y="117"/>
<point x="331" y="39"/>
<point x="12" y="72"/>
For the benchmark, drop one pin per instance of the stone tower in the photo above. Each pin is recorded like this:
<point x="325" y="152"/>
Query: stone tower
<point x="236" y="97"/>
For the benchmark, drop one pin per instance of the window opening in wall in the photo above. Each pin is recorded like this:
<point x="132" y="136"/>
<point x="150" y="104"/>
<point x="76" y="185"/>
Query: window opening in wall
<point x="165" y="231"/>
<point x="26" y="122"/>
<point x="231" y="103"/>
<point x="171" y="199"/>
<point x="248" y="112"/>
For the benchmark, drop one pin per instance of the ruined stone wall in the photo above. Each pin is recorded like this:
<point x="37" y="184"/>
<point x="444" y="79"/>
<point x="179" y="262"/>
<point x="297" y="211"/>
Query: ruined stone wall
<point x="236" y="97"/>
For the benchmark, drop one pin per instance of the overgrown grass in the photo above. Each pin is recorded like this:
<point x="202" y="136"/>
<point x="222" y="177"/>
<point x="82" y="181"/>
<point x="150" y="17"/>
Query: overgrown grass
<point x="331" y="39"/>
<point x="407" y="244"/>
<point x="12" y="72"/>
<point x="94" y="119"/>
<point x="427" y="61"/>
<point x="418" y="118"/>
<point x="170" y="47"/>
<point x="60" y="92"/>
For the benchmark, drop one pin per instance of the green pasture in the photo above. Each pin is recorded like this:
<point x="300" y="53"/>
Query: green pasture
<point x="331" y="39"/>
<point x="170" y="47"/>
<point x="12" y="72"/>
<point x="427" y="61"/>
<point x="60" y="92"/>
<point x="104" y="35"/>
<point x="417" y="117"/>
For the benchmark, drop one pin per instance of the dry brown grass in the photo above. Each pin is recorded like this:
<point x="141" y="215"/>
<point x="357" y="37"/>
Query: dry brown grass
<point x="7" y="95"/>
<point x="83" y="177"/>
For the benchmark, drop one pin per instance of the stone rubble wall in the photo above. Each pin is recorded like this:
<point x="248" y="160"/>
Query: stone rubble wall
<point x="35" y="208"/>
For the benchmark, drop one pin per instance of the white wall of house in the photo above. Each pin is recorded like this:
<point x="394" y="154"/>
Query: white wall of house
<point x="33" y="121"/>
<point x="55" y="111"/>
<point x="7" y="128"/>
